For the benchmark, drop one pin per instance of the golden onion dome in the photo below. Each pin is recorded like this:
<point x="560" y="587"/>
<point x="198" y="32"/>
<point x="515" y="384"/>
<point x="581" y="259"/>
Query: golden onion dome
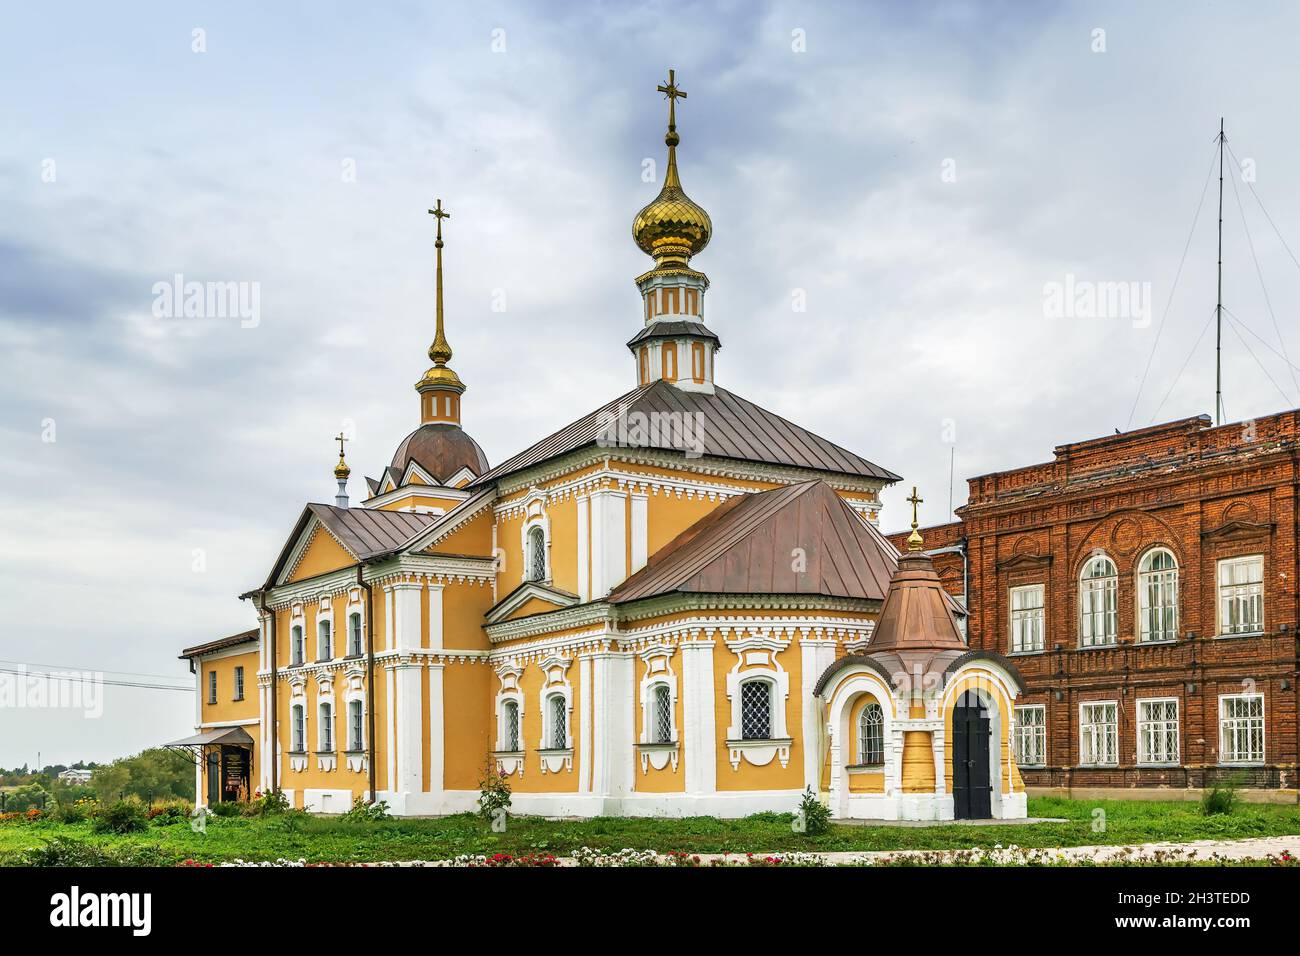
<point x="341" y="470"/>
<point x="440" y="376"/>
<point x="672" y="227"/>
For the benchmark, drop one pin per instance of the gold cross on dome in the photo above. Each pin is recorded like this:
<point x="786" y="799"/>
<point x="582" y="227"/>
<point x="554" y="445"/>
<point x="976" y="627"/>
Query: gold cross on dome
<point x="672" y="91"/>
<point x="915" y="500"/>
<point x="341" y="439"/>
<point x="440" y="214"/>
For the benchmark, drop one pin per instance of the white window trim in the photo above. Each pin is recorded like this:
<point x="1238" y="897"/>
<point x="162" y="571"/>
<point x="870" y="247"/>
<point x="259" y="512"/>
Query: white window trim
<point x="324" y="613"/>
<point x="1263" y="730"/>
<point x="1083" y="705"/>
<point x="297" y="642"/>
<point x="862" y="736"/>
<point x="757" y="659"/>
<point x="237" y="679"/>
<point x="357" y="760"/>
<point x="536" y="517"/>
<point x="325" y="725"/>
<point x="1112" y="617"/>
<point x="1042" y="618"/>
<point x="212" y="686"/>
<point x="1040" y="731"/>
<point x="1146" y="760"/>
<point x="1141" y="592"/>
<point x="509" y="761"/>
<point x="1218" y="595"/>
<point x="298" y="742"/>
<point x="659" y="673"/>
<point x="355" y="606"/>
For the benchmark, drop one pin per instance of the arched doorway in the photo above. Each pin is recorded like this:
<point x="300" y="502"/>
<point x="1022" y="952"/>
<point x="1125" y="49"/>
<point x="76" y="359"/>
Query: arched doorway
<point x="972" y="789"/>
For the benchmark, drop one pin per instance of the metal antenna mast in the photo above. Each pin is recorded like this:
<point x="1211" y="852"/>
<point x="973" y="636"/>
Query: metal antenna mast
<point x="1218" y="308"/>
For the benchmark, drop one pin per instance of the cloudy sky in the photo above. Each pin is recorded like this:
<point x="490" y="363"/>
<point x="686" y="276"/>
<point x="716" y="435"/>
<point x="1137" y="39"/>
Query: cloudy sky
<point x="921" y="175"/>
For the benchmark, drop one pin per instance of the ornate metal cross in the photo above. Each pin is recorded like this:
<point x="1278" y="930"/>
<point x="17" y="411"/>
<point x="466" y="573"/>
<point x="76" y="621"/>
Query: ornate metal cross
<point x="440" y="214"/>
<point x="915" y="500"/>
<point x="672" y="91"/>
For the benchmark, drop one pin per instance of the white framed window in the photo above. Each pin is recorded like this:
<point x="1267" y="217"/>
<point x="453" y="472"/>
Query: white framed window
<point x="1027" y="618"/>
<point x="239" y="682"/>
<point x="557" y="723"/>
<point x="1158" y="596"/>
<point x="212" y="687"/>
<point x="661" y="715"/>
<point x="535" y="560"/>
<point x="325" y="730"/>
<point x="1098" y="621"/>
<point x="1158" y="731"/>
<point x="1241" y="728"/>
<point x="356" y="725"/>
<point x="871" y="735"/>
<point x="355" y="645"/>
<point x="298" y="729"/>
<point x="1031" y="735"/>
<point x="296" y="645"/>
<point x="1099" y="734"/>
<point x="756" y="710"/>
<point x="1241" y="595"/>
<point x="510" y="727"/>
<point x="324" y="641"/>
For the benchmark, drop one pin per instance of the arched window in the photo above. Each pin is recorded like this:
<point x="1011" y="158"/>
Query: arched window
<point x="324" y="648"/>
<point x="558" y="711"/>
<point x="356" y="741"/>
<point x="354" y="634"/>
<point x="298" y="729"/>
<point x="536" y="558"/>
<point x="1097" y="617"/>
<point x="756" y="710"/>
<point x="871" y="735"/>
<point x="325" y="732"/>
<point x="661" y="726"/>
<point x="1158" y="596"/>
<point x="510" y="726"/>
<point x="296" y="649"/>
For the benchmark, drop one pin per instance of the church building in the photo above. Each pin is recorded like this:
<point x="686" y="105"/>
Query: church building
<point x="679" y="604"/>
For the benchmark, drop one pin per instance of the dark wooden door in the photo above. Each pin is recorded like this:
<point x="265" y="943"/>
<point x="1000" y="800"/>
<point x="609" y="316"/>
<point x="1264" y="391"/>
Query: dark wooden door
<point x="214" y="777"/>
<point x="971" y="789"/>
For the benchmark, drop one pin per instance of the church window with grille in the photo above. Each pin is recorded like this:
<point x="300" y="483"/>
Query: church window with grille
<point x="536" y="559"/>
<point x="510" y="726"/>
<point x="1098" y="620"/>
<point x="871" y="735"/>
<point x="756" y="710"/>
<point x="558" y="738"/>
<point x="1158" y="596"/>
<point x="1031" y="735"/>
<point x="661" y="727"/>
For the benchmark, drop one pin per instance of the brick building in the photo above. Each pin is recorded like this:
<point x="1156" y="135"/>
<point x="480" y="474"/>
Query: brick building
<point x="1144" y="584"/>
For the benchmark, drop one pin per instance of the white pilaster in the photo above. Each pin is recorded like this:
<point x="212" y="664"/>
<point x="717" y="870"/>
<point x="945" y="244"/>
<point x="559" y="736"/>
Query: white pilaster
<point x="408" y="707"/>
<point x="640" y="531"/>
<point x="584" y="722"/>
<point x="435" y="617"/>
<point x="437" y="728"/>
<point x="613" y="740"/>
<point x="608" y="540"/>
<point x="815" y="656"/>
<point x="584" y="544"/>
<point x="699" y="730"/>
<point x="406" y="623"/>
<point x="391" y="742"/>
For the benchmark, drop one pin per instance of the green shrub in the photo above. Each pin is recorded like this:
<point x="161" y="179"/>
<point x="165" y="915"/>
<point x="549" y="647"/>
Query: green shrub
<point x="169" y="811"/>
<point x="367" y="812"/>
<point x="124" y="816"/>
<point x="226" y="808"/>
<point x="269" y="804"/>
<point x="816" y="818"/>
<point x="65" y="851"/>
<point x="21" y="799"/>
<point x="1220" y="798"/>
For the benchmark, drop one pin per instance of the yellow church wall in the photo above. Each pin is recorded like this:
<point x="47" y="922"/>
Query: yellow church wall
<point x="666" y="780"/>
<point x="472" y="537"/>
<point x="463" y="605"/>
<point x="323" y="554"/>
<point x="227" y="709"/>
<point x="533" y="780"/>
<point x="747" y="776"/>
<point x="984" y="681"/>
<point x="866" y="781"/>
<point x="467" y="691"/>
<point x="533" y="606"/>
<point x="669" y="516"/>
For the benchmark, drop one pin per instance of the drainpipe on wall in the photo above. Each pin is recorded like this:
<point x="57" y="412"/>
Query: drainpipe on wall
<point x="370" y="678"/>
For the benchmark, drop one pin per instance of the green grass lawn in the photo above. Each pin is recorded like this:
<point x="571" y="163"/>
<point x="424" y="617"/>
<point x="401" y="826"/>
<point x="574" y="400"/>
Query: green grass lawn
<point x="324" y="839"/>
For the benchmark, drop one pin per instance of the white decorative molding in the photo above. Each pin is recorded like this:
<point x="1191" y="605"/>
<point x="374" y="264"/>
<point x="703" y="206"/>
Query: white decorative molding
<point x="759" y="752"/>
<point x="657" y="756"/>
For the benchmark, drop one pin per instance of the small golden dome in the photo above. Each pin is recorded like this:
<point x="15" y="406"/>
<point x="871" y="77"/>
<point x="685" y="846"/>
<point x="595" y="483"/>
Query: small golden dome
<point x="341" y="470"/>
<point x="440" y="377"/>
<point x="672" y="227"/>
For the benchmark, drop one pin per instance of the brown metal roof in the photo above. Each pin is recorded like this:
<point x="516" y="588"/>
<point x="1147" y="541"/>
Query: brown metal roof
<point x="723" y="424"/>
<point x="673" y="329"/>
<point x="441" y="449"/>
<point x="800" y="539"/>
<point x="243" y="637"/>
<point x="369" y="532"/>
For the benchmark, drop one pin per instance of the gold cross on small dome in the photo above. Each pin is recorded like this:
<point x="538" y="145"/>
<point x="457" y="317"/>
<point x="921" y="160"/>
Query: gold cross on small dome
<point x="914" y="540"/>
<point x="438" y="213"/>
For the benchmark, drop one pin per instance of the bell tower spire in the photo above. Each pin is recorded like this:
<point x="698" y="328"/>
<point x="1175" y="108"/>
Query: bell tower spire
<point x="675" y="345"/>
<point x="441" y="388"/>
